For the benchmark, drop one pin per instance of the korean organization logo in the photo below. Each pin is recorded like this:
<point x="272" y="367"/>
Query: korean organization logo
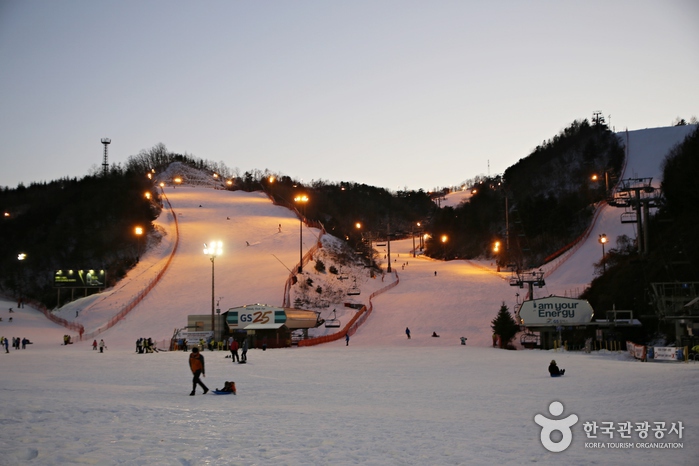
<point x="563" y="425"/>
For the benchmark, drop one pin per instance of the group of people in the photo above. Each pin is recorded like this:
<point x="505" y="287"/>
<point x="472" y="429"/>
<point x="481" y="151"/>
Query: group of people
<point x="16" y="342"/>
<point x="145" y="345"/>
<point x="102" y="346"/>
<point x="233" y="347"/>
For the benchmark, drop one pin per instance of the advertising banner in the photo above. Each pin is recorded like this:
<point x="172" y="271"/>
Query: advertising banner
<point x="637" y="351"/>
<point x="90" y="278"/>
<point x="241" y="317"/>
<point x="665" y="353"/>
<point x="555" y="311"/>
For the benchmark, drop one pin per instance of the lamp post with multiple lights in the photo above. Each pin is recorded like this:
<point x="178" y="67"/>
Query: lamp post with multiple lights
<point x="213" y="250"/>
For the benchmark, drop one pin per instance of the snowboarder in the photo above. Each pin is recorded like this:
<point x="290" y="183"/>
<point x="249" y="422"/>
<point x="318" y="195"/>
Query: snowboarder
<point x="407" y="332"/>
<point x="463" y="340"/>
<point x="434" y="335"/>
<point x="554" y="370"/>
<point x="196" y="365"/>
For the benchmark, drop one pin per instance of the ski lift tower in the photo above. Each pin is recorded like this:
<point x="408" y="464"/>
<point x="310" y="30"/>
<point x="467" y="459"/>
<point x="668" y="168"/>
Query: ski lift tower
<point x="530" y="278"/>
<point x="105" y="162"/>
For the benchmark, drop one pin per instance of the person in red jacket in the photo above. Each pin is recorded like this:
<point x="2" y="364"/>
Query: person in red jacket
<point x="196" y="364"/>
<point x="234" y="351"/>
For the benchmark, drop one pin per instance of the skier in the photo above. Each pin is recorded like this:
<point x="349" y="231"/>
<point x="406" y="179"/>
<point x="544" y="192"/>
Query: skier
<point x="102" y="346"/>
<point x="94" y="345"/>
<point x="346" y="339"/>
<point x="407" y="332"/>
<point x="554" y="370"/>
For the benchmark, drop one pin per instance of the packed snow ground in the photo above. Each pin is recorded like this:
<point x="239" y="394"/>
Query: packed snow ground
<point x="383" y="399"/>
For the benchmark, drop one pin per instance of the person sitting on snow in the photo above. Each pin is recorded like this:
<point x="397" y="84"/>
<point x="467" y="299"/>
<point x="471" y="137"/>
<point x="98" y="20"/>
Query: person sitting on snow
<point x="554" y="370"/>
<point x="228" y="387"/>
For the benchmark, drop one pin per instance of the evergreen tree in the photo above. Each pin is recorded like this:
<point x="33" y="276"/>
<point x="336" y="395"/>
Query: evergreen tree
<point x="505" y="326"/>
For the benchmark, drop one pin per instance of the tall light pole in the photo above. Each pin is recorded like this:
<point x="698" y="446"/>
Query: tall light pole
<point x="214" y="250"/>
<point x="138" y="231"/>
<point x="301" y="200"/>
<point x="21" y="258"/>
<point x="602" y="240"/>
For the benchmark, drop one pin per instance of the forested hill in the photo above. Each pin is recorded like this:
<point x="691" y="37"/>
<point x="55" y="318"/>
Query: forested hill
<point x="547" y="199"/>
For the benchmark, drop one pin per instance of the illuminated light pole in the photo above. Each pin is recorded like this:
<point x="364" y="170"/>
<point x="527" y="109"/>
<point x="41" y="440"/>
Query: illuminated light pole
<point x="213" y="251"/>
<point x="602" y="240"/>
<point x="444" y="239"/>
<point x="21" y="257"/>
<point x="496" y="251"/>
<point x="138" y="231"/>
<point x="302" y="200"/>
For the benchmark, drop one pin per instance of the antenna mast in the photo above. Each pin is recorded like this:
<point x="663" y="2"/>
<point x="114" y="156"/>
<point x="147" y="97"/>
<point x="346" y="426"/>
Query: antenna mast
<point x="105" y="162"/>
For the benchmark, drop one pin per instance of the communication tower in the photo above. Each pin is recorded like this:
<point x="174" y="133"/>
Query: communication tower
<point x="105" y="162"/>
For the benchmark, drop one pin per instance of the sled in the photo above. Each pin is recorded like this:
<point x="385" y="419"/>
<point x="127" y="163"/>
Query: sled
<point x="220" y="392"/>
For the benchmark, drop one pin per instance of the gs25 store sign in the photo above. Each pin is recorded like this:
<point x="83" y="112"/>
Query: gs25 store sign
<point x="242" y="317"/>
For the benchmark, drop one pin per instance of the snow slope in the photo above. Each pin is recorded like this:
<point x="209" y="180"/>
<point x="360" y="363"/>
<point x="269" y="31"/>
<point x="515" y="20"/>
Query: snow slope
<point x="383" y="399"/>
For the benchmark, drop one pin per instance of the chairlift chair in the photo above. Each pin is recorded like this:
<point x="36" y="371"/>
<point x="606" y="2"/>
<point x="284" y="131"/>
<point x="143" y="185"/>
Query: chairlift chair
<point x="354" y="291"/>
<point x="334" y="322"/>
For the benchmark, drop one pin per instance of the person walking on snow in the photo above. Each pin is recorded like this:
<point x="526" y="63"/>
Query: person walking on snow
<point x="234" y="351"/>
<point x="196" y="365"/>
<point x="407" y="332"/>
<point x="102" y="346"/>
<point x="244" y="355"/>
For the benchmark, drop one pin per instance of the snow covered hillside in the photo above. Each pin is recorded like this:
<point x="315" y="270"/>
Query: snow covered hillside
<point x="383" y="399"/>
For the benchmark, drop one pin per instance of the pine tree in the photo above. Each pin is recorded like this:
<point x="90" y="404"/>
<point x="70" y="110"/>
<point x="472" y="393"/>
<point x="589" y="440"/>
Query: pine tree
<point x="505" y="326"/>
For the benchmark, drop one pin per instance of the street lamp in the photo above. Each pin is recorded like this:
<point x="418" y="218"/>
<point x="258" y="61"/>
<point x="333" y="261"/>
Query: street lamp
<point x="302" y="200"/>
<point x="138" y="231"/>
<point x="602" y="240"/>
<point x="214" y="250"/>
<point x="21" y="257"/>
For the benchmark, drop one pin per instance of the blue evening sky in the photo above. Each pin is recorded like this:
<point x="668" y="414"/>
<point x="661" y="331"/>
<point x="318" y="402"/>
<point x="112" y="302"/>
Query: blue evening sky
<point x="397" y="94"/>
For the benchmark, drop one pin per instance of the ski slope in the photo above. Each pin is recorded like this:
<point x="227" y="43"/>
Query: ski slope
<point x="459" y="300"/>
<point x="381" y="400"/>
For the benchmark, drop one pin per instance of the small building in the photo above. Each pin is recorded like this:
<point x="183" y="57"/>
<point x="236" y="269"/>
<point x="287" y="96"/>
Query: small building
<point x="260" y="324"/>
<point x="270" y="326"/>
<point x="560" y="319"/>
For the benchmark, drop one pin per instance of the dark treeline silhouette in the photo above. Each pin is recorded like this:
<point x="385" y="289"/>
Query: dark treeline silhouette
<point x="72" y="224"/>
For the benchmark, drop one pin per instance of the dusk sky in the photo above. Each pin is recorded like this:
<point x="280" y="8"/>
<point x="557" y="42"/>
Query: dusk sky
<point x="397" y="94"/>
